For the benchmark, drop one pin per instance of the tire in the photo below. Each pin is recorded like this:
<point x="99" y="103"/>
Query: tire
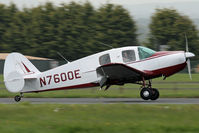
<point x="155" y="94"/>
<point x="17" y="98"/>
<point x="146" y="93"/>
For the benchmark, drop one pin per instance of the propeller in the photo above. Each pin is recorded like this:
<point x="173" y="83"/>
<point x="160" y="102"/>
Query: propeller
<point x="188" y="55"/>
<point x="189" y="68"/>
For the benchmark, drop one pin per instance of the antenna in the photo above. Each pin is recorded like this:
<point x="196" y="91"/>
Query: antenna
<point x="106" y="45"/>
<point x="63" y="57"/>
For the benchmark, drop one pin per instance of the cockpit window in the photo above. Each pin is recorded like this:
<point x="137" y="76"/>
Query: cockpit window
<point x="145" y="52"/>
<point x="104" y="59"/>
<point x="128" y="55"/>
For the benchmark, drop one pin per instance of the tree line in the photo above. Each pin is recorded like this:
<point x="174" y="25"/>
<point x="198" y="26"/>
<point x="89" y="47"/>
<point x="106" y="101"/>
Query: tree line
<point x="77" y="30"/>
<point x="168" y="27"/>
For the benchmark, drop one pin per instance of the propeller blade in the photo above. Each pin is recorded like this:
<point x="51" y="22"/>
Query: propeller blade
<point x="187" y="47"/>
<point x="189" y="68"/>
<point x="187" y="56"/>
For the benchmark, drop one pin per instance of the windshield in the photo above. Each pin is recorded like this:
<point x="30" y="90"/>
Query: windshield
<point x="145" y="52"/>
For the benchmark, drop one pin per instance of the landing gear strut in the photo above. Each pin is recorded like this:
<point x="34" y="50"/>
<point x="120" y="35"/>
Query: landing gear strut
<point x="147" y="93"/>
<point x="17" y="98"/>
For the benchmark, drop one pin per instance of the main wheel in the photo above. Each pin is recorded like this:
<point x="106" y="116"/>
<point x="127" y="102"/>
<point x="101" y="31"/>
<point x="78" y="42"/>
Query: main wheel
<point x="155" y="94"/>
<point x="146" y="93"/>
<point x="17" y="98"/>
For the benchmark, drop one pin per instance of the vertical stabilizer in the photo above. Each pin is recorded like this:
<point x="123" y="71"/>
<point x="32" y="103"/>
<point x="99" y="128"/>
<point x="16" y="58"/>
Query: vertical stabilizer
<point x="16" y="68"/>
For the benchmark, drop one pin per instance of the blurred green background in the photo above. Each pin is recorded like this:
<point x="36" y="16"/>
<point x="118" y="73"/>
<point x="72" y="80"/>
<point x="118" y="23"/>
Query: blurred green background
<point x="79" y="29"/>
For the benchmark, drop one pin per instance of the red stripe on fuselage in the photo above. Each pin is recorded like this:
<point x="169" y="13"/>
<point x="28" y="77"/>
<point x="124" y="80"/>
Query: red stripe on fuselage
<point x="162" y="53"/>
<point x="87" y="85"/>
<point x="166" y="71"/>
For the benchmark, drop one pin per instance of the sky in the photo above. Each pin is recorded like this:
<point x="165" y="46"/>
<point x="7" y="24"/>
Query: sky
<point x="30" y="3"/>
<point x="137" y="8"/>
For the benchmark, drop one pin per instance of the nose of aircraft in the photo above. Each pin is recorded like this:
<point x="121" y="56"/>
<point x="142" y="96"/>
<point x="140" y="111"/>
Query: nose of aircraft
<point x="189" y="54"/>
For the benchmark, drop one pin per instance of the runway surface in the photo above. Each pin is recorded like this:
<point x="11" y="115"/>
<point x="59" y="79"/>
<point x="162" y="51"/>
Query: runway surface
<point x="101" y="101"/>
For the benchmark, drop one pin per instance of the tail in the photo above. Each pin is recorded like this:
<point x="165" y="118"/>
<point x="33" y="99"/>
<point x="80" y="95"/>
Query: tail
<point x="17" y="69"/>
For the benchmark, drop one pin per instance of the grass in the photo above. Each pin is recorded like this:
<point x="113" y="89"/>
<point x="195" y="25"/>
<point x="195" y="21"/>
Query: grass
<point x="1" y="81"/>
<point x="117" y="118"/>
<point x="178" y="85"/>
<point x="180" y="77"/>
<point x="105" y="118"/>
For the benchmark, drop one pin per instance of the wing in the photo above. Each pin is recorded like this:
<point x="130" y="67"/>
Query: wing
<point x="118" y="74"/>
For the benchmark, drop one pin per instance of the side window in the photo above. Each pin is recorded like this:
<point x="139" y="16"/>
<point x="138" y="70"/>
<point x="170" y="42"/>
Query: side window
<point x="104" y="59"/>
<point x="128" y="55"/>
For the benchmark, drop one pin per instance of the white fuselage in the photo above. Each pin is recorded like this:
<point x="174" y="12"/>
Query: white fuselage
<point x="82" y="73"/>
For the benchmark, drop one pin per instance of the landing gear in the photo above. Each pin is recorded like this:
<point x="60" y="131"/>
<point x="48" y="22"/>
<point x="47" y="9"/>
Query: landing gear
<point x="155" y="94"/>
<point x="17" y="98"/>
<point x="147" y="93"/>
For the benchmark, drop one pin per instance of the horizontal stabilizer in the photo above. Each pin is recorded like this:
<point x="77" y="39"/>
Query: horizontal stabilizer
<point x="14" y="82"/>
<point x="32" y="76"/>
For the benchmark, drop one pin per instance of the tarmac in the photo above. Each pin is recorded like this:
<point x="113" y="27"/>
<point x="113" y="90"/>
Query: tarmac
<point x="101" y="101"/>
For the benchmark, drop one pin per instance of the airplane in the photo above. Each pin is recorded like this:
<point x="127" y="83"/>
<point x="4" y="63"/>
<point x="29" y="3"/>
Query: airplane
<point x="117" y="66"/>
